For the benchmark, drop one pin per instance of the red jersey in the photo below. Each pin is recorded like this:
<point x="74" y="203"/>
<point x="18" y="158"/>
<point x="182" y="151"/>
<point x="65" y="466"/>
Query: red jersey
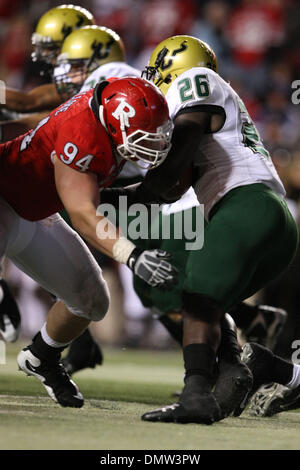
<point x="74" y="134"/>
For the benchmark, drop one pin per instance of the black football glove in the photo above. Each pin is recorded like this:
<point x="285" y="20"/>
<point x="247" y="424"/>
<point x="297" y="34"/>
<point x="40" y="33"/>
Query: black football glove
<point x="153" y="267"/>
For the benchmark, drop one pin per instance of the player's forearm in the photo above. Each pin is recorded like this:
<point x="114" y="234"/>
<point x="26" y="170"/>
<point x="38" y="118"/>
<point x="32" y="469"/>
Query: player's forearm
<point x="98" y="231"/>
<point x="164" y="178"/>
<point x="134" y="194"/>
<point x="81" y="206"/>
<point x="19" y="101"/>
<point x="150" y="265"/>
<point x="40" y="98"/>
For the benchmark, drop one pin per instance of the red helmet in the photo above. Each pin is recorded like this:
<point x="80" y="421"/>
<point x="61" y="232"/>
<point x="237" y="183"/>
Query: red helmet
<point x="136" y="116"/>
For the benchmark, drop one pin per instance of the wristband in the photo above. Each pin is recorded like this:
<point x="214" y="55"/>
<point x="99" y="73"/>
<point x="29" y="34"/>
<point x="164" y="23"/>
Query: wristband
<point x="122" y="250"/>
<point x="133" y="257"/>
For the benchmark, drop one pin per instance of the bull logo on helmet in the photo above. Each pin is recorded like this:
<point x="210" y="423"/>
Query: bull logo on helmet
<point x="101" y="51"/>
<point x="160" y="60"/>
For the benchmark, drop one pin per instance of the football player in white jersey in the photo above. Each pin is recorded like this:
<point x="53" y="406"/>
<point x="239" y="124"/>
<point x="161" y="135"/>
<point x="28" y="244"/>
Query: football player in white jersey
<point x="51" y="30"/>
<point x="250" y="237"/>
<point x="88" y="56"/>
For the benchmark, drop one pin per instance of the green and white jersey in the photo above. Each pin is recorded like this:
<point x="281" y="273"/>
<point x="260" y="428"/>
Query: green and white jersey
<point x="234" y="155"/>
<point x="187" y="201"/>
<point x="111" y="69"/>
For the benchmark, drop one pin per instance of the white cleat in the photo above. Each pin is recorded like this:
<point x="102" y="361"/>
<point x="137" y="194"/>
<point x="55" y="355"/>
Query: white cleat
<point x="54" y="378"/>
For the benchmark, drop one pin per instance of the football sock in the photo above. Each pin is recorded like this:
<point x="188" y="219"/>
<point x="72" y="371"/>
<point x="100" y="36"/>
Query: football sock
<point x="45" y="351"/>
<point x="51" y="342"/>
<point x="199" y="359"/>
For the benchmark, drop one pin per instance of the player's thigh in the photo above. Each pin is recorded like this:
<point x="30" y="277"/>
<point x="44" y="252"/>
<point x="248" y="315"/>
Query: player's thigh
<point x="275" y="259"/>
<point x="248" y="222"/>
<point x="58" y="259"/>
<point x="176" y="245"/>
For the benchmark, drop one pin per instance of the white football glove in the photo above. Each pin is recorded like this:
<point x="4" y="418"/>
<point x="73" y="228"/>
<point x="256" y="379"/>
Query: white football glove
<point x="152" y="266"/>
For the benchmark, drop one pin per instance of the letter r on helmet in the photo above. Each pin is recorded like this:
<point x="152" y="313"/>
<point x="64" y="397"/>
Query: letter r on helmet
<point x="123" y="112"/>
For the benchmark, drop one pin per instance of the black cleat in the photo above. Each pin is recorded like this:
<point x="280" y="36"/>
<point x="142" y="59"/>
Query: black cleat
<point x="84" y="352"/>
<point x="233" y="385"/>
<point x="260" y="362"/>
<point x="10" y="319"/>
<point x="54" y="378"/>
<point x="196" y="405"/>
<point x="274" y="398"/>
<point x="164" y="414"/>
<point x="266" y="326"/>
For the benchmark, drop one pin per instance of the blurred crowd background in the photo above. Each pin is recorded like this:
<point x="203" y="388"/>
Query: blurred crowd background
<point x="257" y="43"/>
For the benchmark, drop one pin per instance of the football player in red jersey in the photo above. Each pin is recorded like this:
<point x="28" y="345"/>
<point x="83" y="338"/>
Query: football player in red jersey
<point x="80" y="146"/>
<point x="51" y="30"/>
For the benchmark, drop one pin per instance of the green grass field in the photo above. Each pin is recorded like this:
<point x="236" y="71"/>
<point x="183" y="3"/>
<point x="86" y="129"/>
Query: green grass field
<point x="129" y="383"/>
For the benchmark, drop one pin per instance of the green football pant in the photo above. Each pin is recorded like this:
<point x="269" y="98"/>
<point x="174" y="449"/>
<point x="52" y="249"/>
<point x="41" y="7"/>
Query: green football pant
<point x="250" y="239"/>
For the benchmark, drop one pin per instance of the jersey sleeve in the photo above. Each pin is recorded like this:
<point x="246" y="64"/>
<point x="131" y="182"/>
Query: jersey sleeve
<point x="199" y="86"/>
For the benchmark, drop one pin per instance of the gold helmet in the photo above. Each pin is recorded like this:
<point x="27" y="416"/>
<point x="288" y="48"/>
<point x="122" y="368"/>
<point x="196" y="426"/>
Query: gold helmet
<point x="82" y="52"/>
<point x="53" y="27"/>
<point x="175" y="55"/>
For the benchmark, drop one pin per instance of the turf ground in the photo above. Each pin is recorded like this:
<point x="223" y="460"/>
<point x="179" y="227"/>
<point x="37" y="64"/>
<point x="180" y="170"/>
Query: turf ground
<point x="129" y="383"/>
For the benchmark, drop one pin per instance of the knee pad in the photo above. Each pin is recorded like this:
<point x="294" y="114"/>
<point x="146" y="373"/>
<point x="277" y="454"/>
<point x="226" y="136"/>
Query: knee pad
<point x="202" y="307"/>
<point x="99" y="309"/>
<point x="92" y="307"/>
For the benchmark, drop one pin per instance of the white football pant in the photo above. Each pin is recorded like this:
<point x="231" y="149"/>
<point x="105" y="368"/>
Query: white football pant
<point x="55" y="256"/>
